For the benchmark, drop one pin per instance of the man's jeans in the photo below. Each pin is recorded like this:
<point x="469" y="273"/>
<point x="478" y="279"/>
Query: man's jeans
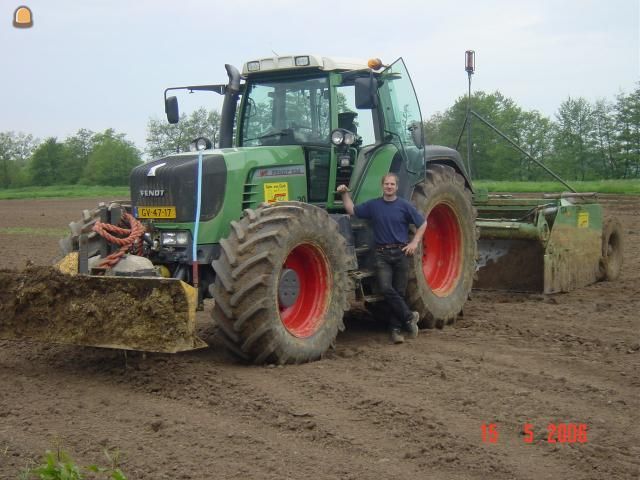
<point x="392" y="268"/>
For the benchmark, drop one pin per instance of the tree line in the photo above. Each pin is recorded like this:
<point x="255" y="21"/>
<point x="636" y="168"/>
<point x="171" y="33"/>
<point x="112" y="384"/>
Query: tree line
<point x="584" y="141"/>
<point x="88" y="158"/>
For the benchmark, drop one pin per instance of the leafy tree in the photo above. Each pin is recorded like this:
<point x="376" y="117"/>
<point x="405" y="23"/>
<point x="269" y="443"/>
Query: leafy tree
<point x="573" y="142"/>
<point x="604" y="140"/>
<point x="77" y="150"/>
<point x="46" y="161"/>
<point x="111" y="160"/>
<point x="433" y="128"/>
<point x="164" y="138"/>
<point x="627" y="118"/>
<point x="15" y="150"/>
<point x="535" y="133"/>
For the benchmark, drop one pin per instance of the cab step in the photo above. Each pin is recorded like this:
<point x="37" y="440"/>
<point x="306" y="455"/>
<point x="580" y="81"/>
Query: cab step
<point x="360" y="274"/>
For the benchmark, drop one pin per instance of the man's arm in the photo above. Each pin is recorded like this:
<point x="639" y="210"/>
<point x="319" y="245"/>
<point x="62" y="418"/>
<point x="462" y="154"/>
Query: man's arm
<point x="343" y="190"/>
<point x="413" y="244"/>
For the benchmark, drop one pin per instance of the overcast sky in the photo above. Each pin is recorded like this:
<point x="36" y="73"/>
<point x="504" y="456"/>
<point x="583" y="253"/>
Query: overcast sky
<point x="105" y="63"/>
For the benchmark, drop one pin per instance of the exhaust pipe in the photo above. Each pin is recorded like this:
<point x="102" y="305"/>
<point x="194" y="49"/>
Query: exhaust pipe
<point x="229" y="107"/>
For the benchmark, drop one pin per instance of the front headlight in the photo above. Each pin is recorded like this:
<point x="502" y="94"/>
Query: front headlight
<point x="182" y="238"/>
<point x="349" y="138"/>
<point x="175" y="238"/>
<point x="337" y="137"/>
<point x="168" y="238"/>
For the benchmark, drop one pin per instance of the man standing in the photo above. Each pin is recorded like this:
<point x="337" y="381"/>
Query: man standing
<point x="390" y="218"/>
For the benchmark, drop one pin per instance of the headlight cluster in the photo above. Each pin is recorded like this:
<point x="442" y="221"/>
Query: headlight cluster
<point x="175" y="238"/>
<point x="340" y="136"/>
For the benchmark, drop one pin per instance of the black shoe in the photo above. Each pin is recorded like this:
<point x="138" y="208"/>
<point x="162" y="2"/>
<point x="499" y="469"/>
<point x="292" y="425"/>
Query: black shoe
<point x="412" y="326"/>
<point x="396" y="336"/>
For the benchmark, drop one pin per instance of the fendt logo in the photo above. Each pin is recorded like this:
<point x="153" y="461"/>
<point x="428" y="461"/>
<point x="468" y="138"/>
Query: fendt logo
<point x="152" y="193"/>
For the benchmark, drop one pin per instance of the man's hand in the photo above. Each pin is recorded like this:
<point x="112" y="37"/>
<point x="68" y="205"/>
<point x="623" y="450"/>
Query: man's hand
<point x="410" y="248"/>
<point x="343" y="190"/>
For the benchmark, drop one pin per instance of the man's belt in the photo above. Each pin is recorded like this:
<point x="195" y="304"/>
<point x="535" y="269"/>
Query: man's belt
<point x="390" y="246"/>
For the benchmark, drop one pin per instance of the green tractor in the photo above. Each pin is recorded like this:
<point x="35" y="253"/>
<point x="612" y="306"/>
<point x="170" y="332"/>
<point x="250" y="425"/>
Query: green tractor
<point x="256" y="224"/>
<point x="275" y="248"/>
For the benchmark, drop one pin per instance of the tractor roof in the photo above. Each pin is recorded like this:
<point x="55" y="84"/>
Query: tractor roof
<point x="302" y="62"/>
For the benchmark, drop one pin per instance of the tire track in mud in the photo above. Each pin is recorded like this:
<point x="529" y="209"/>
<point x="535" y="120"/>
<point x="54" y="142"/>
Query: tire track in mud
<point x="235" y="425"/>
<point x="365" y="429"/>
<point x="567" y="385"/>
<point x="459" y="445"/>
<point x="254" y="398"/>
<point x="359" y="443"/>
<point x="586" y="384"/>
<point x="543" y="398"/>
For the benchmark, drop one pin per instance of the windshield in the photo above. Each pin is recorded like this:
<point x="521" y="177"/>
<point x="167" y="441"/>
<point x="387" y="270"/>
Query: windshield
<point x="286" y="112"/>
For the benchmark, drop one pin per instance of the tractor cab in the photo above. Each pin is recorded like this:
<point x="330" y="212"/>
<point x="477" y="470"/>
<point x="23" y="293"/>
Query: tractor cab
<point x="348" y="116"/>
<point x="352" y="120"/>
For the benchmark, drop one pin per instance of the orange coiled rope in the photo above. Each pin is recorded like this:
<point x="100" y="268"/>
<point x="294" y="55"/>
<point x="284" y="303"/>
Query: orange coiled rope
<point x="129" y="238"/>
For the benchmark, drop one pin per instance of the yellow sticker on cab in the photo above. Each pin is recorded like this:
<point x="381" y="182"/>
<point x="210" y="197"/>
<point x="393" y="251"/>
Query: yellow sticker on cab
<point x="583" y="219"/>
<point x="276" y="192"/>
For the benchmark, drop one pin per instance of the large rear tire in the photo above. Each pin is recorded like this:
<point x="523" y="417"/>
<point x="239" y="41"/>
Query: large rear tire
<point x="612" y="250"/>
<point x="281" y="284"/>
<point x="441" y="275"/>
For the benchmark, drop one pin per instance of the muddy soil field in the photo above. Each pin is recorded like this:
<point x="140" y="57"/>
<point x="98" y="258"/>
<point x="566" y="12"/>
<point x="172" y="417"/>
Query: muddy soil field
<point x="370" y="410"/>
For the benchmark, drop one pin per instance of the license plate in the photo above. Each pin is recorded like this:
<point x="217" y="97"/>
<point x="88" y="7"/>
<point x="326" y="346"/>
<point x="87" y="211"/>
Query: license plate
<point x="156" y="212"/>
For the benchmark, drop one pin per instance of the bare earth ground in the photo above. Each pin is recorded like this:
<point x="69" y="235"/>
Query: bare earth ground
<point x="370" y="410"/>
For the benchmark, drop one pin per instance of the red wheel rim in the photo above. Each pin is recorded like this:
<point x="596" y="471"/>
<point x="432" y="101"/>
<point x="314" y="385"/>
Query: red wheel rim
<point x="305" y="316"/>
<point x="442" y="250"/>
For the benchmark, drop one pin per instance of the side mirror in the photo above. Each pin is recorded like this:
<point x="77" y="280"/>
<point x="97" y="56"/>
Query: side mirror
<point x="171" y="109"/>
<point x="417" y="134"/>
<point x="366" y="92"/>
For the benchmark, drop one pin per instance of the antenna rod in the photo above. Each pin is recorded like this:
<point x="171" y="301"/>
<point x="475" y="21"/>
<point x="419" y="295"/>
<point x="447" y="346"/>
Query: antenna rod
<point x="470" y="67"/>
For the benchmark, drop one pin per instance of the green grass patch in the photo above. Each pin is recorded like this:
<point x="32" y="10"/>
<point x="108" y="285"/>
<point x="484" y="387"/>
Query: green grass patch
<point x="40" y="232"/>
<point x="623" y="187"/>
<point x="65" y="191"/>
<point x="59" y="465"/>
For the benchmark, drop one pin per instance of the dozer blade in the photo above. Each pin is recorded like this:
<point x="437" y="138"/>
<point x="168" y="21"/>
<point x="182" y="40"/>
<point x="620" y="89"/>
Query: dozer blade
<point x="133" y="313"/>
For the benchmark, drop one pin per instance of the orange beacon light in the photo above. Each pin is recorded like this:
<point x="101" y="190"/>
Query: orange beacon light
<point x="22" y="17"/>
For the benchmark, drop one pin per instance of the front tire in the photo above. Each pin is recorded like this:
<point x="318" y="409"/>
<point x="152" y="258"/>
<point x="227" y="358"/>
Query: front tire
<point x="441" y="275"/>
<point x="281" y="284"/>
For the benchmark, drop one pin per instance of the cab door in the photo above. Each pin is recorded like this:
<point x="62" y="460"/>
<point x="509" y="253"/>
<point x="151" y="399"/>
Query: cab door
<point x="401" y="114"/>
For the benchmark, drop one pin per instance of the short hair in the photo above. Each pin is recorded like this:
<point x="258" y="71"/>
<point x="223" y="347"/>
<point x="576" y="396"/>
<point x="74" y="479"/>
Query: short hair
<point x="390" y="174"/>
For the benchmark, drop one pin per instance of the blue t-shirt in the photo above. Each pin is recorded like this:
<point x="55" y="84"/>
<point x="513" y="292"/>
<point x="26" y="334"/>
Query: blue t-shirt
<point x="390" y="220"/>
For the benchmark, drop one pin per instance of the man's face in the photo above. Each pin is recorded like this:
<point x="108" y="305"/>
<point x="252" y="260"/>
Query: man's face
<point x="389" y="186"/>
